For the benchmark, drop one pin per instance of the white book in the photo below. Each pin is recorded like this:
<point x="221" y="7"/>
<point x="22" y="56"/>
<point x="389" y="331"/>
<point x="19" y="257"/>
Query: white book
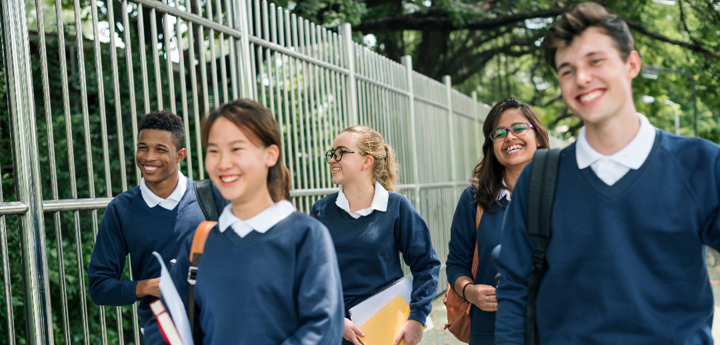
<point x="174" y="303"/>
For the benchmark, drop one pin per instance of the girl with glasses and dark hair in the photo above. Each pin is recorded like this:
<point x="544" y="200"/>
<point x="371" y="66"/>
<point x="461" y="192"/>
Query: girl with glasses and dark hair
<point x="370" y="223"/>
<point x="513" y="133"/>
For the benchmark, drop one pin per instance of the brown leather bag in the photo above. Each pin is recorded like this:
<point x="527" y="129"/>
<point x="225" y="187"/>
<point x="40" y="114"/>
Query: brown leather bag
<point x="458" y="309"/>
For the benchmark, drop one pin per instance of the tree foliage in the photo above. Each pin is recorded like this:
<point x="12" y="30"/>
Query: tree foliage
<point x="491" y="46"/>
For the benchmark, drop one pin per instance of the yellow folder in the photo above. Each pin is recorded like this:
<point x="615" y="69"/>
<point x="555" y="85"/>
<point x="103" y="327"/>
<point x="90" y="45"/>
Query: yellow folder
<point x="384" y="327"/>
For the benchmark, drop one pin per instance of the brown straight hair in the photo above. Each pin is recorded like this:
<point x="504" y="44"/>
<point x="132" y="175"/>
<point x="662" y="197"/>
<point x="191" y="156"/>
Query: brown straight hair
<point x="258" y="123"/>
<point x="579" y="18"/>
<point x="489" y="173"/>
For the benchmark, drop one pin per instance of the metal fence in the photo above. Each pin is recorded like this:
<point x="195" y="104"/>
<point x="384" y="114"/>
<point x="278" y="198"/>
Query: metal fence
<point x="74" y="124"/>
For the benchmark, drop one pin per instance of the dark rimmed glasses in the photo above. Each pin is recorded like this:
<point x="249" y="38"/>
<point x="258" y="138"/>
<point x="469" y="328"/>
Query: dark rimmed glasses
<point x="516" y="128"/>
<point x="336" y="153"/>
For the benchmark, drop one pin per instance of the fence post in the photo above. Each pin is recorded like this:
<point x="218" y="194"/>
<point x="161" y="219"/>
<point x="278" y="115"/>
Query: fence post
<point x="478" y="129"/>
<point x="451" y="129"/>
<point x="346" y="34"/>
<point x="241" y="20"/>
<point x="407" y="62"/>
<point x="27" y="173"/>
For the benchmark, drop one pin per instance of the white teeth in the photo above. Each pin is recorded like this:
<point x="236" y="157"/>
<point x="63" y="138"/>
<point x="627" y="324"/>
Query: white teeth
<point x="589" y="97"/>
<point x="336" y="169"/>
<point x="149" y="168"/>
<point x="514" y="148"/>
<point x="227" y="179"/>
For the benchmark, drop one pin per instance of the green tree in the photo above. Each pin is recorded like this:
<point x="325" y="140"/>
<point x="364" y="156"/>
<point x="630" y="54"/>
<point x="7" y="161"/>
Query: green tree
<point x="492" y="47"/>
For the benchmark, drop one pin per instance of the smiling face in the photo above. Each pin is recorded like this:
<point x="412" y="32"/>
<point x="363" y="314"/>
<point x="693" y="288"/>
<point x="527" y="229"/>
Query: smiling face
<point x="352" y="167"/>
<point x="514" y="150"/>
<point x="596" y="83"/>
<point x="237" y="165"/>
<point x="156" y="156"/>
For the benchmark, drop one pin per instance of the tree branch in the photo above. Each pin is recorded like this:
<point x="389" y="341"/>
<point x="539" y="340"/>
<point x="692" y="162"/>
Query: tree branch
<point x="696" y="48"/>
<point x="422" y="21"/>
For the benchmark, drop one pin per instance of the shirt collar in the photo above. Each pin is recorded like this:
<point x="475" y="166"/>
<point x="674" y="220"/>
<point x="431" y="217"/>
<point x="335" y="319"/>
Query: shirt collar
<point x="153" y="200"/>
<point x="379" y="202"/>
<point x="504" y="193"/>
<point x="632" y="156"/>
<point x="261" y="223"/>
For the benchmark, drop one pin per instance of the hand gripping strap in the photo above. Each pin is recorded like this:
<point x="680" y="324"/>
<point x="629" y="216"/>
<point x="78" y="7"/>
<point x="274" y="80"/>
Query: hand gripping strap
<point x="196" y="252"/>
<point x="541" y="195"/>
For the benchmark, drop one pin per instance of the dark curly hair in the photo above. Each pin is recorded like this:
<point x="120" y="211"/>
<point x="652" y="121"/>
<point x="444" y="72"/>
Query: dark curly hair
<point x="165" y="121"/>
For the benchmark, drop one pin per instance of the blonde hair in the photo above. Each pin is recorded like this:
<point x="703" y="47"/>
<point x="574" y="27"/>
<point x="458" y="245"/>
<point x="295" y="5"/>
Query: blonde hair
<point x="385" y="169"/>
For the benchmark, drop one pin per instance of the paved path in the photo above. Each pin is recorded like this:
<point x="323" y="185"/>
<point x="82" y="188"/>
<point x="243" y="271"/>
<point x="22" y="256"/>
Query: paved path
<point x="437" y="336"/>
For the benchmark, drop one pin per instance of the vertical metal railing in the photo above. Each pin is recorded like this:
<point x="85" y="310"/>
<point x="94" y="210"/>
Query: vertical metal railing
<point x="188" y="56"/>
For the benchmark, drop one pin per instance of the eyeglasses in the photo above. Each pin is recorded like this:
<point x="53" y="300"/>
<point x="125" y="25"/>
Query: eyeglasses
<point x="516" y="128"/>
<point x="336" y="153"/>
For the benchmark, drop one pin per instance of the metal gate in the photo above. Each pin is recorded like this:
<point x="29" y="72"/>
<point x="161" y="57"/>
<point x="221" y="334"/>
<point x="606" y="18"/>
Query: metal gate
<point x="73" y="123"/>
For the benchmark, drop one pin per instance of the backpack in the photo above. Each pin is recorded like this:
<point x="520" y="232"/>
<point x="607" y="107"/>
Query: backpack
<point x="206" y="199"/>
<point x="541" y="195"/>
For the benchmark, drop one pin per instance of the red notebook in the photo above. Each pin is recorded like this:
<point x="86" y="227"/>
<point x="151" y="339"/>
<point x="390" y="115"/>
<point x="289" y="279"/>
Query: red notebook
<point x="165" y="323"/>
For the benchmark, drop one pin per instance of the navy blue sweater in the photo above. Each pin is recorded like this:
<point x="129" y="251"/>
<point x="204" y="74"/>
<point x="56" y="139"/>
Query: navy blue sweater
<point x="625" y="264"/>
<point x="462" y="248"/>
<point x="129" y="226"/>
<point x="280" y="287"/>
<point x="367" y="251"/>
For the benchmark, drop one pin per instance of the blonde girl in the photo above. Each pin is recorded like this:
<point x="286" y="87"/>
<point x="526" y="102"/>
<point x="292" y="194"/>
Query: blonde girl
<point x="371" y="224"/>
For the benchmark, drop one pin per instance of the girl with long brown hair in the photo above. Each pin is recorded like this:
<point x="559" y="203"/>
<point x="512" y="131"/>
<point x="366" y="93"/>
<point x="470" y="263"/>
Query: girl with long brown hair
<point x="512" y="133"/>
<point x="370" y="223"/>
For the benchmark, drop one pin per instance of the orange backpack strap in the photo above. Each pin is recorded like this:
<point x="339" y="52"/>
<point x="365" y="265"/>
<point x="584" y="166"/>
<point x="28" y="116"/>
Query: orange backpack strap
<point x="196" y="252"/>
<point x="476" y="260"/>
<point x="198" y="243"/>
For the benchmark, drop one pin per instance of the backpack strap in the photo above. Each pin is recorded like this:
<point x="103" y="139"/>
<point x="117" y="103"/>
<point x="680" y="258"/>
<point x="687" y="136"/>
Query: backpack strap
<point x="206" y="199"/>
<point x="196" y="252"/>
<point x="476" y="260"/>
<point x="541" y="194"/>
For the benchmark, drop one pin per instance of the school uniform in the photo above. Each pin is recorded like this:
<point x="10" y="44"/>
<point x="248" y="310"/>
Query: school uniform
<point x="463" y="239"/>
<point x="138" y="222"/>
<point x="368" y="244"/>
<point x="626" y="262"/>
<point x="271" y="279"/>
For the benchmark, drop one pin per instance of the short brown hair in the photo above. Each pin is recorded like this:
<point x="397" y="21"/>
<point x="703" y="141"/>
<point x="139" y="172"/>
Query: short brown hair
<point x="578" y="19"/>
<point x="258" y="123"/>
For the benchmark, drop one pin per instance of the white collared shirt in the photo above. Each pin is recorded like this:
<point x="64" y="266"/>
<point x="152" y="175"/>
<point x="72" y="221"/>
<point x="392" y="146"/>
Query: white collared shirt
<point x="379" y="202"/>
<point x="261" y="223"/>
<point x="172" y="200"/>
<point x="612" y="168"/>
<point x="504" y="193"/>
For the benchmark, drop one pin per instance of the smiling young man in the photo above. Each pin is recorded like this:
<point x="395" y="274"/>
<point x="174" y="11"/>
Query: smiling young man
<point x="633" y="208"/>
<point x="155" y="216"/>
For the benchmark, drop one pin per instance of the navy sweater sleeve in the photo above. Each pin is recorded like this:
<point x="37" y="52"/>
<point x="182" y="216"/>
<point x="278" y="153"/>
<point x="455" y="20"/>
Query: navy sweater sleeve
<point x="711" y="231"/>
<point x="514" y="265"/>
<point x="413" y="238"/>
<point x="319" y="296"/>
<point x="463" y="237"/>
<point x="108" y="261"/>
